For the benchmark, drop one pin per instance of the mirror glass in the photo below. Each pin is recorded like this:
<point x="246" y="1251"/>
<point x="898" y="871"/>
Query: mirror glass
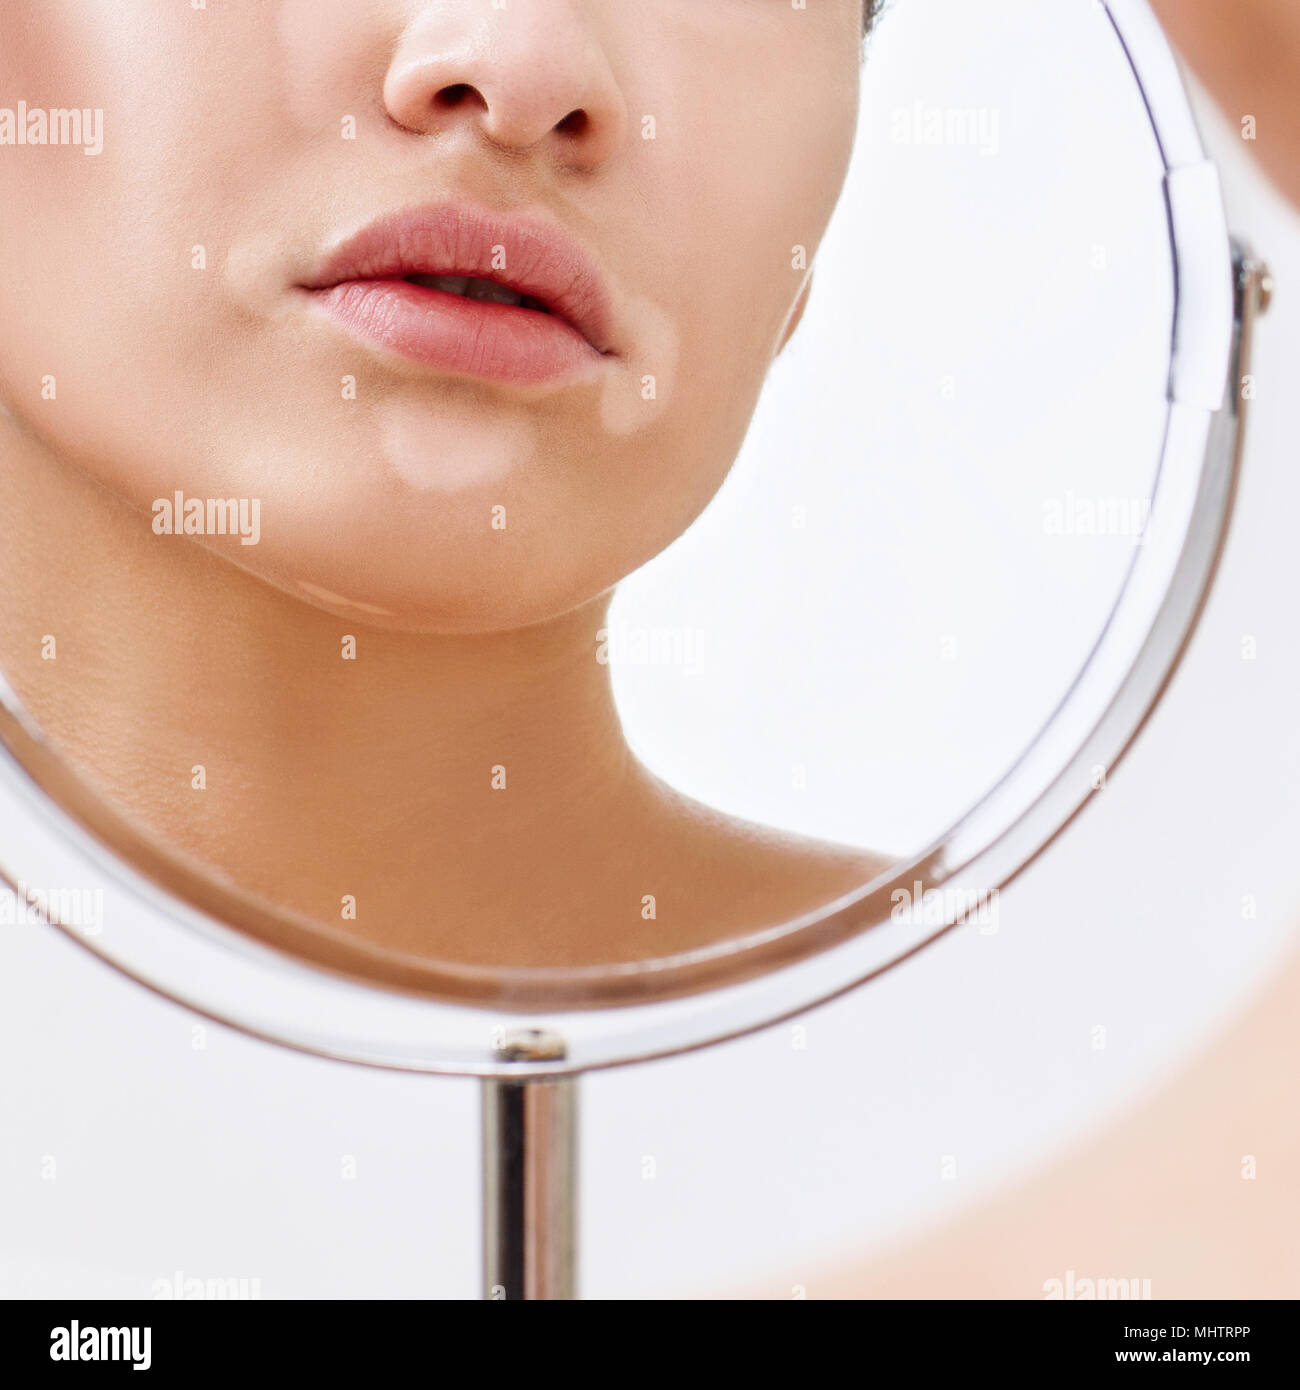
<point x="482" y="522"/>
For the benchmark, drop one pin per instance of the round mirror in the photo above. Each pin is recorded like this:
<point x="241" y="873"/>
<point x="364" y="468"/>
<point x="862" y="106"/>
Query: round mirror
<point x="562" y="537"/>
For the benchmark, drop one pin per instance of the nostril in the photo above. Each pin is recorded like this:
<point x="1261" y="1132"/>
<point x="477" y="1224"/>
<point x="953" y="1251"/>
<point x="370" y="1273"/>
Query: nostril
<point x="455" y="95"/>
<point x="574" y="123"/>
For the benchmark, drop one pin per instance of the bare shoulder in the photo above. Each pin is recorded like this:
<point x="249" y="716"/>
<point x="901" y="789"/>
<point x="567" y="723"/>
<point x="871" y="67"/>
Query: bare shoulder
<point x="745" y="875"/>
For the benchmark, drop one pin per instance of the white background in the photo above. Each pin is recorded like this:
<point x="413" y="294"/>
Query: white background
<point x="226" y="1159"/>
<point x="880" y="618"/>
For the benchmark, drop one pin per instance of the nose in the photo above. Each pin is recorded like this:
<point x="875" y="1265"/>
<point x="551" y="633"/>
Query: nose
<point x="533" y="75"/>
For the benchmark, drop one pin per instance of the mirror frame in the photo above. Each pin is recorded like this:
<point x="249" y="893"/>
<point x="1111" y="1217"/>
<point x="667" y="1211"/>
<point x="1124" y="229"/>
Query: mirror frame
<point x="168" y="928"/>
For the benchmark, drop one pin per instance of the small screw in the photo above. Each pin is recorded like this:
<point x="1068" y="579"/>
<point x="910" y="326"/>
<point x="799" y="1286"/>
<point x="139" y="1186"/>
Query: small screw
<point x="1256" y="272"/>
<point x="531" y="1045"/>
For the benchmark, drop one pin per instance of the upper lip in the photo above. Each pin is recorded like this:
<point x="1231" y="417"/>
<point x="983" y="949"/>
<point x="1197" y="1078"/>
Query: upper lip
<point x="527" y="255"/>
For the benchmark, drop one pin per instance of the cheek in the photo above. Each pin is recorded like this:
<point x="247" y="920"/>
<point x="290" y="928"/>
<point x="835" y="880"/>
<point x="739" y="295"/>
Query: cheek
<point x="773" y="183"/>
<point x="110" y="294"/>
<point x="75" y="210"/>
<point x="317" y="46"/>
<point x="751" y="175"/>
<point x="750" y="179"/>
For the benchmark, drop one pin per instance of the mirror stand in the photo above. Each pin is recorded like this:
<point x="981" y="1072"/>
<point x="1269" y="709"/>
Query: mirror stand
<point x="530" y="1123"/>
<point x="530" y="1167"/>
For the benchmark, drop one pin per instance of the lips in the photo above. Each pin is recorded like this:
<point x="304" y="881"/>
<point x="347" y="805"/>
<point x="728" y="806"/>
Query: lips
<point x="461" y="291"/>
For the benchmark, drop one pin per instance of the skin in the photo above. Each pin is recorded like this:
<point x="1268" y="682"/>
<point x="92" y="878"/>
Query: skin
<point x="1248" y="56"/>
<point x="1197" y="1191"/>
<point x="475" y="647"/>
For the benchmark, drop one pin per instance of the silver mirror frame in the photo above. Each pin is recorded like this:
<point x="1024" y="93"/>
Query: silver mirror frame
<point x="163" y="942"/>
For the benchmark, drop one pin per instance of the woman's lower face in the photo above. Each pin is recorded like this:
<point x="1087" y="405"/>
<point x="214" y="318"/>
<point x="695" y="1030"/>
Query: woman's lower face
<point x="434" y="318"/>
<point x="469" y="304"/>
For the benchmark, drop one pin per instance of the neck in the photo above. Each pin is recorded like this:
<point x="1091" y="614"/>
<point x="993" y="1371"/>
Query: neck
<point x="308" y="757"/>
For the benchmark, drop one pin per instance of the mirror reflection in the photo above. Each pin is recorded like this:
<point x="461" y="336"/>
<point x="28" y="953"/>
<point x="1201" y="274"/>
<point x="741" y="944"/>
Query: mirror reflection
<point x="565" y="486"/>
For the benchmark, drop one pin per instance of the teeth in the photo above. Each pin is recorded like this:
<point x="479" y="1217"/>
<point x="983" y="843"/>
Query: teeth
<point x="485" y="291"/>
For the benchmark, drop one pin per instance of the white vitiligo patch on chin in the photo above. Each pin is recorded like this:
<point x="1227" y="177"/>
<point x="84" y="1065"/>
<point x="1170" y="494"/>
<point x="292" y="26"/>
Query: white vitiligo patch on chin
<point x="635" y="398"/>
<point x="438" y="450"/>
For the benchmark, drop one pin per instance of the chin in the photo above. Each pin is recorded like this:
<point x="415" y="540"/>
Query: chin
<point x="461" y="591"/>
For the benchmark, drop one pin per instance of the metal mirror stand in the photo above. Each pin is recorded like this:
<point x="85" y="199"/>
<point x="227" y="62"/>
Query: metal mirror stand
<point x="530" y="1126"/>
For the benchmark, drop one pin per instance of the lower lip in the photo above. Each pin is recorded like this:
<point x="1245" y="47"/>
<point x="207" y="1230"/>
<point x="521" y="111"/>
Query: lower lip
<point x="465" y="337"/>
